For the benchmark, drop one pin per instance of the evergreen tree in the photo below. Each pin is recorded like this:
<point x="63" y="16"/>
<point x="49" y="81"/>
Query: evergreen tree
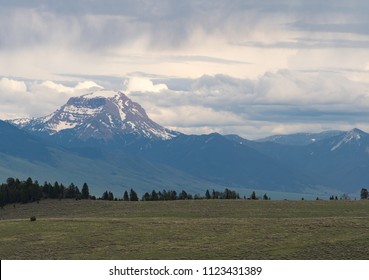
<point x="207" y="195"/>
<point x="146" y="197"/>
<point x="55" y="191"/>
<point x="183" y="195"/>
<point x="70" y="192"/>
<point x="154" y="196"/>
<point x="133" y="195"/>
<point x="110" y="196"/>
<point x="165" y="195"/>
<point x="364" y="193"/>
<point x="173" y="195"/>
<point x="85" y="191"/>
<point x="253" y="195"/>
<point x="160" y="196"/>
<point x="125" y="196"/>
<point x="214" y="195"/>
<point x="105" y="196"/>
<point x="24" y="194"/>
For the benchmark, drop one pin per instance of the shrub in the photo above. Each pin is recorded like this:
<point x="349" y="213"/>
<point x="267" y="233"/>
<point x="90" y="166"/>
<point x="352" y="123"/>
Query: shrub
<point x="33" y="218"/>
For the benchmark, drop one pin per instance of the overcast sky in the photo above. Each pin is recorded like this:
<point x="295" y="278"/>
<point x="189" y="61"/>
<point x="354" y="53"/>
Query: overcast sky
<point x="253" y="68"/>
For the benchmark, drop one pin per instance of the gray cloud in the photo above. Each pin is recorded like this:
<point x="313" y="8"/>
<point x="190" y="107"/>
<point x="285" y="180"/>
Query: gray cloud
<point x="171" y="24"/>
<point x="309" y="43"/>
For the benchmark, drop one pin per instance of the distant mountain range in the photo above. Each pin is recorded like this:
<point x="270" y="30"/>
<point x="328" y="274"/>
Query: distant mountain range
<point x="107" y="140"/>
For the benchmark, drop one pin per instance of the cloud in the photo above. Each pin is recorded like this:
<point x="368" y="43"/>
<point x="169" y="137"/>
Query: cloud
<point x="141" y="84"/>
<point x="168" y="25"/>
<point x="9" y="85"/>
<point x="20" y="99"/>
<point x="187" y="116"/>
<point x="282" y="101"/>
<point x="40" y="39"/>
<point x="59" y="88"/>
<point x="90" y="85"/>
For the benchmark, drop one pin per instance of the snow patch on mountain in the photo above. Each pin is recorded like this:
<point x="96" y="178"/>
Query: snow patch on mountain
<point x="102" y="93"/>
<point x="352" y="135"/>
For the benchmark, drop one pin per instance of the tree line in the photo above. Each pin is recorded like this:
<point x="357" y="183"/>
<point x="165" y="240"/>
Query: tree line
<point x="162" y="195"/>
<point x="17" y="191"/>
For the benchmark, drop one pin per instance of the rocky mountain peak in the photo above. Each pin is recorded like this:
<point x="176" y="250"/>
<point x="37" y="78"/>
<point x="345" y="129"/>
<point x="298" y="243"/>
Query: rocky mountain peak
<point x="352" y="137"/>
<point x="99" y="115"/>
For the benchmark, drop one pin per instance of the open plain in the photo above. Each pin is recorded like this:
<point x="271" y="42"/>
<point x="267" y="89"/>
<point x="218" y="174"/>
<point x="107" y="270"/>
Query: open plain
<point x="193" y="229"/>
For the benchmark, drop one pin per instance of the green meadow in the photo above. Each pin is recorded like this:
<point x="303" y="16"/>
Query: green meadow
<point x="191" y="229"/>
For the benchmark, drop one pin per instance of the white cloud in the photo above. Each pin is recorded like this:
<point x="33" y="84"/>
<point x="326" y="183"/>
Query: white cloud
<point x="20" y="99"/>
<point x="56" y="87"/>
<point x="10" y="86"/>
<point x="141" y="84"/>
<point x="90" y="85"/>
<point x="194" y="116"/>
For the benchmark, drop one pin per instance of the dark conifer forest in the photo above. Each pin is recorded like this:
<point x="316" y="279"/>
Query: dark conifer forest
<point x="27" y="191"/>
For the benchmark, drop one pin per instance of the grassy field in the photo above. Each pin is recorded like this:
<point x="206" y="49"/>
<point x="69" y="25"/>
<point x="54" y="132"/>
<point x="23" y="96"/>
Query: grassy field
<point x="220" y="229"/>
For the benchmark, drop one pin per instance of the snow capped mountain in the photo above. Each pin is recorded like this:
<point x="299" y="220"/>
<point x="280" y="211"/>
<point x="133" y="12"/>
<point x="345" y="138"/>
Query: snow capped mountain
<point x="353" y="138"/>
<point x="100" y="115"/>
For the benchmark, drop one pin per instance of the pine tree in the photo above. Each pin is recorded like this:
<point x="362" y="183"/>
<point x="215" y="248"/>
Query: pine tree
<point x="364" y="193"/>
<point x="253" y="195"/>
<point x="133" y="195"/>
<point x="85" y="191"/>
<point x="110" y="196"/>
<point x="105" y="196"/>
<point x="183" y="195"/>
<point x="154" y="196"/>
<point x="207" y="194"/>
<point x="146" y="197"/>
<point x="125" y="196"/>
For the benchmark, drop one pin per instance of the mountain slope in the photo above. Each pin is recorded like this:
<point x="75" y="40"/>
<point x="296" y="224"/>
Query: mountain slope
<point x="215" y="158"/>
<point x="18" y="143"/>
<point x="23" y="155"/>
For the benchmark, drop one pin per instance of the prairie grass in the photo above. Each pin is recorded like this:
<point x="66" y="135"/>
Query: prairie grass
<point x="196" y="229"/>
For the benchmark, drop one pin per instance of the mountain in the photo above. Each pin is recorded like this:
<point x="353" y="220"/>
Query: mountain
<point x="102" y="115"/>
<point x="353" y="141"/>
<point x="341" y="161"/>
<point x="301" y="138"/>
<point x="338" y="160"/>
